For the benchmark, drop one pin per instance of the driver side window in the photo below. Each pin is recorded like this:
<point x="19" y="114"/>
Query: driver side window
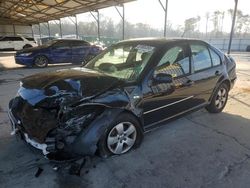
<point x="174" y="62"/>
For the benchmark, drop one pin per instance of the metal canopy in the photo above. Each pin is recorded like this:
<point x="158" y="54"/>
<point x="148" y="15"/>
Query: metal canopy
<point x="28" y="12"/>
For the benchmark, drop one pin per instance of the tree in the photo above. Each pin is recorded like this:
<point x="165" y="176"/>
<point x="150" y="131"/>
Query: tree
<point x="242" y="22"/>
<point x="191" y="25"/>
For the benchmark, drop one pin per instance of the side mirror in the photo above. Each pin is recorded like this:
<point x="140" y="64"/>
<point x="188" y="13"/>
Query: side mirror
<point x="162" y="78"/>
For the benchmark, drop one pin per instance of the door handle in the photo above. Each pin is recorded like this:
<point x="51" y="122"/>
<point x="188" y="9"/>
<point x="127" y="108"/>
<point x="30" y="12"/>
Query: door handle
<point x="189" y="83"/>
<point x="217" y="73"/>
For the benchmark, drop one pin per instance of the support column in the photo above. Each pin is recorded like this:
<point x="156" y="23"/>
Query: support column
<point x="165" y="9"/>
<point x="32" y="31"/>
<point x="60" y="24"/>
<point x="98" y="24"/>
<point x="40" y="31"/>
<point x="48" y="28"/>
<point x="77" y="36"/>
<point x="75" y="22"/>
<point x="97" y="19"/>
<point x="14" y="29"/>
<point x="122" y="15"/>
<point x="232" y="28"/>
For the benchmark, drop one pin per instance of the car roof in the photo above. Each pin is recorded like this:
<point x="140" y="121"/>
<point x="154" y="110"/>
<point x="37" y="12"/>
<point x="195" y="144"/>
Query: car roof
<point x="70" y="40"/>
<point x="159" y="41"/>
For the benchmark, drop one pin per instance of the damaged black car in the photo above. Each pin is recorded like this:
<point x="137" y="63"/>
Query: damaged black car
<point x="130" y="88"/>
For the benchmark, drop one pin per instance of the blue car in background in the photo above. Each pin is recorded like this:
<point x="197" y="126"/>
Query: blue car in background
<point x="57" y="51"/>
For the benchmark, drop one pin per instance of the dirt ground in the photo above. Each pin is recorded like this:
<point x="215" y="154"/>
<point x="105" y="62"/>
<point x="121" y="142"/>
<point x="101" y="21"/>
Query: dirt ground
<point x="197" y="150"/>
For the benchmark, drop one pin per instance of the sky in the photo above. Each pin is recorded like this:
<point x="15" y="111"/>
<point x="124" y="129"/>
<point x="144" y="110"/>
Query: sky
<point x="150" y="12"/>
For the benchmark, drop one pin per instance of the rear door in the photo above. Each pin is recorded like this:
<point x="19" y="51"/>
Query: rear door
<point x="61" y="52"/>
<point x="207" y="69"/>
<point x="6" y="43"/>
<point x="80" y="50"/>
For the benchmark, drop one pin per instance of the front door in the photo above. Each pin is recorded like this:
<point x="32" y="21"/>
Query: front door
<point x="18" y="43"/>
<point x="165" y="100"/>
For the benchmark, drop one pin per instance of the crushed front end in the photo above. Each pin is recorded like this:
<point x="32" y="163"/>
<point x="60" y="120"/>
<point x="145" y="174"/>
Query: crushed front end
<point x="53" y="115"/>
<point x="51" y="130"/>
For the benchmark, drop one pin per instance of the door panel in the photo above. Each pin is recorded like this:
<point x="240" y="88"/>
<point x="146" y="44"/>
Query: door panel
<point x="160" y="106"/>
<point x="18" y="43"/>
<point x="61" y="52"/>
<point x="7" y="43"/>
<point x="164" y="100"/>
<point x="205" y="82"/>
<point x="80" y="49"/>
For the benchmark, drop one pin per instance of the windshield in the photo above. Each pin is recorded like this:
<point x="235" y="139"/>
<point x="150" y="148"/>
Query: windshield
<point x="123" y="61"/>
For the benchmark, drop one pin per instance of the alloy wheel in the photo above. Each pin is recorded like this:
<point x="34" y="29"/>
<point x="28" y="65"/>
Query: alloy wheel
<point x="41" y="61"/>
<point x="221" y="98"/>
<point x="121" y="138"/>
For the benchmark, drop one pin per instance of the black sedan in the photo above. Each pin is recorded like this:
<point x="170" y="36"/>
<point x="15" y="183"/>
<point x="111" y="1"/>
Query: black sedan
<point x="106" y="106"/>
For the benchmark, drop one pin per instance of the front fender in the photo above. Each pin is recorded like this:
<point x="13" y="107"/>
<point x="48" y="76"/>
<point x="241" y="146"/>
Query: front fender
<point x="86" y="142"/>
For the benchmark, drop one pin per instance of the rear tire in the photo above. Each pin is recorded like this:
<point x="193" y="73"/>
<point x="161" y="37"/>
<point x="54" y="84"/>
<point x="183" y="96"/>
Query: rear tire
<point x="41" y="61"/>
<point x="219" y="99"/>
<point x="123" y="134"/>
<point x="27" y="46"/>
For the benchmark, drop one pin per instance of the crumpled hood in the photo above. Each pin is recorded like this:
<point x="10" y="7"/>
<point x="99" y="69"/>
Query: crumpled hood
<point x="77" y="82"/>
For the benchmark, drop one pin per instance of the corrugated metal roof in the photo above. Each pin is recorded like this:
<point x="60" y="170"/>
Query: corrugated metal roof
<point x="26" y="12"/>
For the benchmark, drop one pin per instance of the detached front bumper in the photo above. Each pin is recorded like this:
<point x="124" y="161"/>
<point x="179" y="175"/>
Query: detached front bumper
<point x="46" y="148"/>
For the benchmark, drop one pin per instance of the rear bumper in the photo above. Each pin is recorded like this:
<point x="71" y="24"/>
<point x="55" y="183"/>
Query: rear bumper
<point x="233" y="82"/>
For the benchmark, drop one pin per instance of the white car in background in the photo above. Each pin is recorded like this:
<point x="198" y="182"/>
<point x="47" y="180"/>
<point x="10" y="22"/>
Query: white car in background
<point x="16" y="42"/>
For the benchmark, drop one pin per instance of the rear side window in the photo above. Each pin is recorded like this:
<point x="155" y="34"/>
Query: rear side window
<point x="174" y="62"/>
<point x="5" y="39"/>
<point x="11" y="39"/>
<point x="215" y="58"/>
<point x="85" y="43"/>
<point x="61" y="45"/>
<point x="30" y="39"/>
<point x="79" y="44"/>
<point x="15" y="38"/>
<point x="201" y="57"/>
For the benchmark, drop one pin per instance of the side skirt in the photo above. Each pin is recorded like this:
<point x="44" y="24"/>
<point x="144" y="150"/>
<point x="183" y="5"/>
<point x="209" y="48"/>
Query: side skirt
<point x="159" y="124"/>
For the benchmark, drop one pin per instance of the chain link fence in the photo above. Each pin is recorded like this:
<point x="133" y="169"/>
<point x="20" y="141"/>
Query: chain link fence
<point x="238" y="44"/>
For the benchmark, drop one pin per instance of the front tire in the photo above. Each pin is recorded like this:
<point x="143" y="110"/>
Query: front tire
<point x="41" y="61"/>
<point x="219" y="99"/>
<point x="122" y="135"/>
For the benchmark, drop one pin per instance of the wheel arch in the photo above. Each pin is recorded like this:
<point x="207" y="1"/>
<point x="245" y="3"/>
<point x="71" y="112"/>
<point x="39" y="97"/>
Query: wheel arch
<point x="222" y="80"/>
<point x="41" y="54"/>
<point x="27" y="44"/>
<point x="86" y="142"/>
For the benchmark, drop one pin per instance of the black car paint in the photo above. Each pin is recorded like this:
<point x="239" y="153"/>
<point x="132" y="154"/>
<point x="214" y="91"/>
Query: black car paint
<point x="66" y="96"/>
